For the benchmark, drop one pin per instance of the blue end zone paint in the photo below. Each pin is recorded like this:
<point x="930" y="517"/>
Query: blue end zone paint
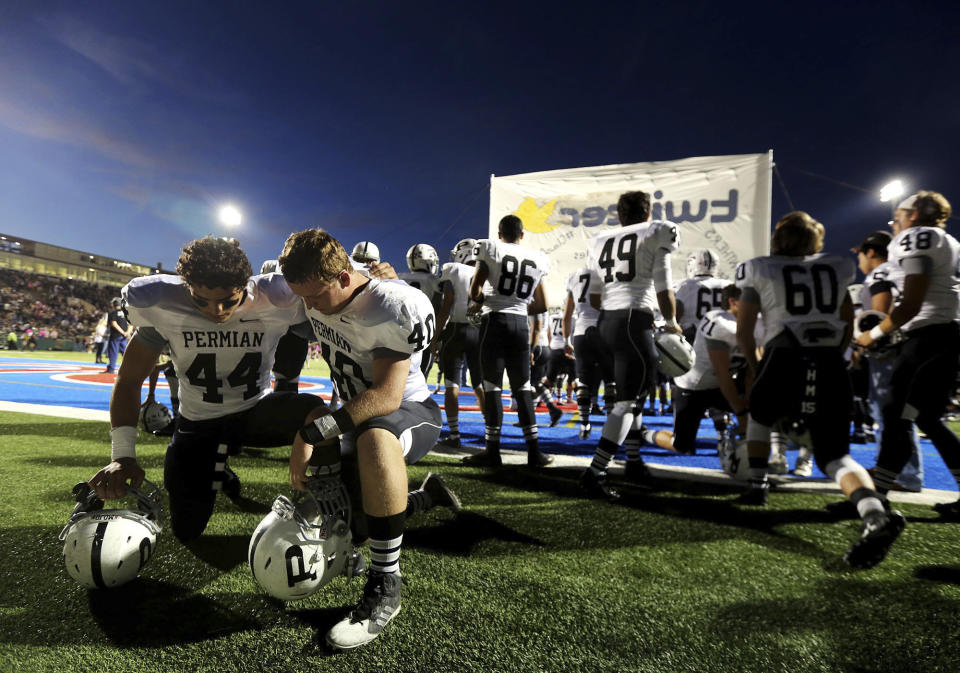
<point x="38" y="387"/>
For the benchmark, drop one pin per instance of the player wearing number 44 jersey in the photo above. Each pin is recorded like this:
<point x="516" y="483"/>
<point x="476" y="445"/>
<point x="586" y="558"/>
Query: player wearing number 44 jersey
<point x="371" y="334"/>
<point x="807" y="318"/>
<point x="507" y="286"/>
<point x="221" y="327"/>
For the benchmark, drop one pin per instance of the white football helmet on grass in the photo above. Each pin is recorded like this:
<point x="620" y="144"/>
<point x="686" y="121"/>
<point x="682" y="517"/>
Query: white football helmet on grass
<point x="105" y="548"/>
<point x="299" y="547"/>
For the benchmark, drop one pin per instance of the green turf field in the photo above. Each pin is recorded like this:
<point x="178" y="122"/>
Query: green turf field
<point x="527" y="578"/>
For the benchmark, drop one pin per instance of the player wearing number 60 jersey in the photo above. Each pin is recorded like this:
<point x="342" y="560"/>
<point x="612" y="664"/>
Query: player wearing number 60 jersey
<point x="507" y="286"/>
<point x="807" y="318"/>
<point x="222" y="328"/>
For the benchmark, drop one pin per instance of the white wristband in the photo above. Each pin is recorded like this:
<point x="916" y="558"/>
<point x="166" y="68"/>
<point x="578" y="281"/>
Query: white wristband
<point x="568" y="341"/>
<point x="123" y="442"/>
<point x="876" y="333"/>
<point x="672" y="324"/>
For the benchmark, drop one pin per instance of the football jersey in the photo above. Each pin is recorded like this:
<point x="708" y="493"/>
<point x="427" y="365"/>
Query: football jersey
<point x="716" y="326"/>
<point x="934" y="252"/>
<point x="458" y="277"/>
<point x="627" y="260"/>
<point x="386" y="318"/>
<point x="885" y="278"/>
<point x="699" y="295"/>
<point x="425" y="282"/>
<point x="224" y="368"/>
<point x="556" y="331"/>
<point x="579" y="284"/>
<point x="801" y="295"/>
<point x="514" y="274"/>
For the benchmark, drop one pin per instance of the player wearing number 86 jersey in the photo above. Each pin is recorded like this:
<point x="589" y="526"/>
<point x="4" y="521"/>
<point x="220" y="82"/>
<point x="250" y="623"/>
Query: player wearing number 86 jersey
<point x="514" y="274"/>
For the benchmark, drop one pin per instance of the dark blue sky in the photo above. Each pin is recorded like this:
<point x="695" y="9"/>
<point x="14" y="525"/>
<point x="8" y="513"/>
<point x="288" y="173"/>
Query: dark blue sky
<point x="124" y="125"/>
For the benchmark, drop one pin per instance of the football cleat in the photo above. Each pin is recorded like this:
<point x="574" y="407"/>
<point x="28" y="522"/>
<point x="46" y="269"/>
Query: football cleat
<point x="754" y="496"/>
<point x="379" y="604"/>
<point x="778" y="462"/>
<point x="484" y="459"/>
<point x="585" y="431"/>
<point x="555" y="415"/>
<point x="948" y="511"/>
<point x="804" y="465"/>
<point x="442" y="496"/>
<point x="595" y="410"/>
<point x="594" y="485"/>
<point x="538" y="458"/>
<point x="880" y="530"/>
<point x="450" y="442"/>
<point x="636" y="471"/>
<point x="231" y="483"/>
<point x="105" y="548"/>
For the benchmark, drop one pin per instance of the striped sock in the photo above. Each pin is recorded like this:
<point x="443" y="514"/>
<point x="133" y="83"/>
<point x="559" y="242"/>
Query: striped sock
<point x="603" y="455"/>
<point x="530" y="436"/>
<point x="386" y="539"/>
<point x="632" y="444"/>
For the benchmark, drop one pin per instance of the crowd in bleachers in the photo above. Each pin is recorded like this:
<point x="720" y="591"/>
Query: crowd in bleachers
<point x="36" y="306"/>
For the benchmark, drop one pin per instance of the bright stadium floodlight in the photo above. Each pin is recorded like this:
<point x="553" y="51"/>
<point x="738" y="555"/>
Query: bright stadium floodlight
<point x="892" y="190"/>
<point x="230" y="215"/>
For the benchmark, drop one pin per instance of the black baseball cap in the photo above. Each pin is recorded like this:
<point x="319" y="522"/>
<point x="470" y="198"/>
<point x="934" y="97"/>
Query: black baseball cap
<point x="876" y="240"/>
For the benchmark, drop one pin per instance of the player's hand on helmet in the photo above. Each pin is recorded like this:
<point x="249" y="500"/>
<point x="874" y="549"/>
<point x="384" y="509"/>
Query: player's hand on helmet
<point x="301" y="452"/>
<point x="865" y="340"/>
<point x="111" y="482"/>
<point x="672" y="327"/>
<point x="382" y="271"/>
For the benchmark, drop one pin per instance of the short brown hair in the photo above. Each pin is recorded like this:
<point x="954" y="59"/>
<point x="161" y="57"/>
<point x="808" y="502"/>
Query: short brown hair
<point x="214" y="262"/>
<point x="633" y="208"/>
<point x="313" y="255"/>
<point x="797" y="235"/>
<point x="933" y="209"/>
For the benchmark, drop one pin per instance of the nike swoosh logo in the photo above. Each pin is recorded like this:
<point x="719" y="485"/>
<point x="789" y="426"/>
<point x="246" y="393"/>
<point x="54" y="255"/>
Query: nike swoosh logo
<point x="345" y="320"/>
<point x="250" y="320"/>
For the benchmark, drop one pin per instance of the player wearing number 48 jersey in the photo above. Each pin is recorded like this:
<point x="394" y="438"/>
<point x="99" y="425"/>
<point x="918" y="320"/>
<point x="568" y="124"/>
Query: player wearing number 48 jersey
<point x="221" y="327"/>
<point x="371" y="334"/>
<point x="507" y="286"/>
<point x="807" y="318"/>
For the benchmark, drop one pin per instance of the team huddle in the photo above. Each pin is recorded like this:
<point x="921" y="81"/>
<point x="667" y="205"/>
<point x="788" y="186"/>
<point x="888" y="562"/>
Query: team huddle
<point x="763" y="355"/>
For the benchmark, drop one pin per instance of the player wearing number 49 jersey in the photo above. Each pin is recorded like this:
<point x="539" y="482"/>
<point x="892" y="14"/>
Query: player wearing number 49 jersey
<point x="807" y="319"/>
<point x="222" y="328"/>
<point x="507" y="286"/>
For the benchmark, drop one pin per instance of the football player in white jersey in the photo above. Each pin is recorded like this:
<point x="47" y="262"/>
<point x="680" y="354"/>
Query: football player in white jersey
<point x="548" y="361"/>
<point x="372" y="334"/>
<point x="222" y="328"/>
<point x="807" y="317"/>
<point x="592" y="359"/>
<point x="424" y="263"/>
<point x="710" y="383"/>
<point x="633" y="265"/>
<point x="506" y="284"/>
<point x="880" y="292"/>
<point x="456" y="337"/>
<point x="700" y="292"/>
<point x="924" y="376"/>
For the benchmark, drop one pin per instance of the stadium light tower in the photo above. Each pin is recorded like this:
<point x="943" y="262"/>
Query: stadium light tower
<point x="891" y="192"/>
<point x="229" y="215"/>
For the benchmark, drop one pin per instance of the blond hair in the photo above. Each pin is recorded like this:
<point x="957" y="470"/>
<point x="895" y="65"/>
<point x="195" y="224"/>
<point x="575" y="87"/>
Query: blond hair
<point x="313" y="255"/>
<point x="797" y="235"/>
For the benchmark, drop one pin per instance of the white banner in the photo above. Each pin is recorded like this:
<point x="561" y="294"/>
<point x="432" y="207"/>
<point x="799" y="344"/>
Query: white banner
<point x="721" y="203"/>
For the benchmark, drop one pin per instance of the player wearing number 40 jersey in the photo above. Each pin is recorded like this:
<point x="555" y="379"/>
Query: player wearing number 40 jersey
<point x="371" y="334"/>
<point x="507" y="286"/>
<point x="222" y="328"/>
<point x="807" y="318"/>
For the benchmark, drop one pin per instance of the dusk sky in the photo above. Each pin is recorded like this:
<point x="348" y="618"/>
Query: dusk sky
<point x="124" y="125"/>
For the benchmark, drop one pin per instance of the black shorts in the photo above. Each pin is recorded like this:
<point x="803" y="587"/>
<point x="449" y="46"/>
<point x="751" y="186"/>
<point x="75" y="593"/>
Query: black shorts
<point x="593" y="361"/>
<point x="558" y="364"/>
<point x="689" y="407"/>
<point x="810" y="385"/>
<point x="194" y="465"/>
<point x="416" y="424"/>
<point x="628" y="333"/>
<point x="505" y="346"/>
<point x="924" y="376"/>
<point x="461" y="340"/>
